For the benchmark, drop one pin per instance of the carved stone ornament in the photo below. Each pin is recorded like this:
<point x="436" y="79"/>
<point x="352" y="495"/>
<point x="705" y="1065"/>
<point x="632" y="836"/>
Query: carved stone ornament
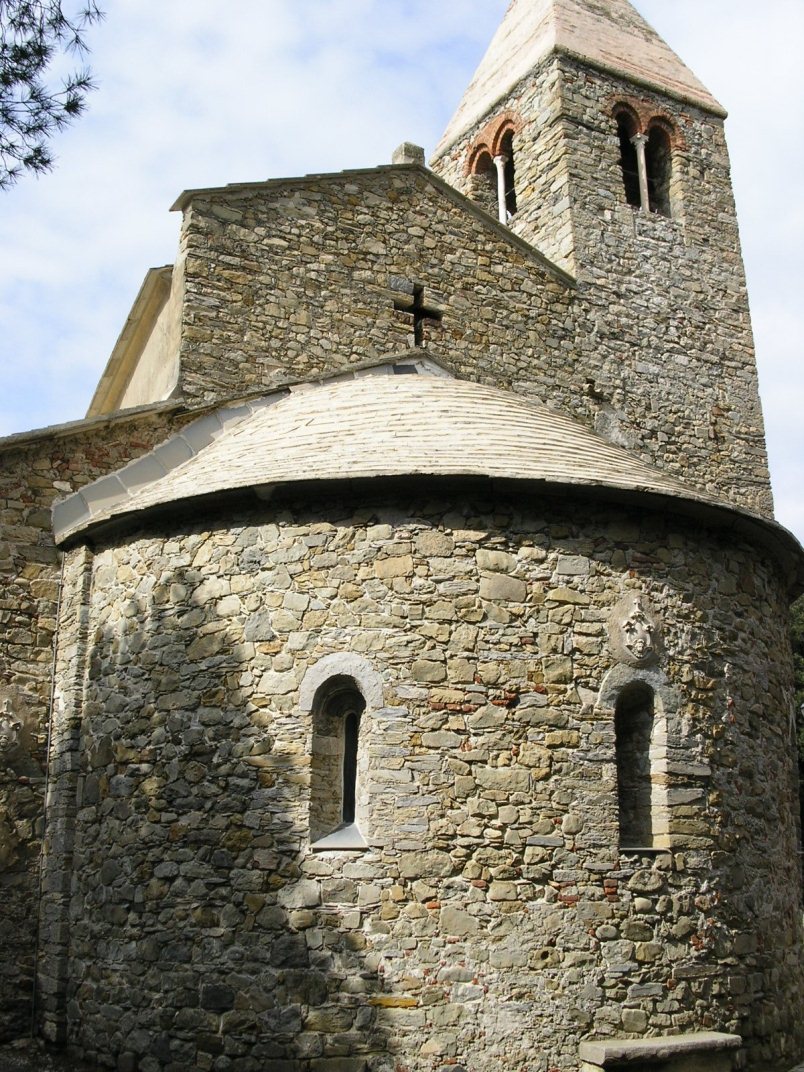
<point x="634" y="631"/>
<point x="10" y="730"/>
<point x="15" y="737"/>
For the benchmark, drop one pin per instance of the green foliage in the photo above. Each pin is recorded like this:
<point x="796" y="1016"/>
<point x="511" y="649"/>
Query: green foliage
<point x="33" y="34"/>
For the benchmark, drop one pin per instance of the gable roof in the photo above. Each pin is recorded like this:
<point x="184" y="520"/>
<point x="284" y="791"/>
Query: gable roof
<point x="422" y="174"/>
<point x="608" y="34"/>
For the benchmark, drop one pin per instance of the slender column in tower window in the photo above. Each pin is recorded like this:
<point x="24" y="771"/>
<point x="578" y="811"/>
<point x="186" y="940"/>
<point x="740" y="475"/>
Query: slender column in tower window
<point x="626" y="129"/>
<point x="639" y="141"/>
<point x="500" y="163"/>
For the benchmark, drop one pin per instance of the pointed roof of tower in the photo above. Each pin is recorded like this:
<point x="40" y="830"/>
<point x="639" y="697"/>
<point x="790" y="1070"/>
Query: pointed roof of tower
<point x="608" y="34"/>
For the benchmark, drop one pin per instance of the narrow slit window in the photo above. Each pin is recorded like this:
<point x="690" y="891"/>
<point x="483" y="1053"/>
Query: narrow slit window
<point x="634" y="731"/>
<point x="351" y="737"/>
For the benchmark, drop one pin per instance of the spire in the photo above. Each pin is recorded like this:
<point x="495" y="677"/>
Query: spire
<point x="607" y="34"/>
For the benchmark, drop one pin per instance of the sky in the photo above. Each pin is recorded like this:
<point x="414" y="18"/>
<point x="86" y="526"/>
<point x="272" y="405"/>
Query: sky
<point x="189" y="97"/>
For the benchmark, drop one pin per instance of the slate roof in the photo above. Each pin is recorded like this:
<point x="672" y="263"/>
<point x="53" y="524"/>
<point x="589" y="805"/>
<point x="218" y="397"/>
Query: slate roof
<point x="378" y="426"/>
<point x="609" y="34"/>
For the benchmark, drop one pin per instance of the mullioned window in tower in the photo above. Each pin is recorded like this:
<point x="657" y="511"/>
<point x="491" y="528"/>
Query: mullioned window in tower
<point x="646" y="161"/>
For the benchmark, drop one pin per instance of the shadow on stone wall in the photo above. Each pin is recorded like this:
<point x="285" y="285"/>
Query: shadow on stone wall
<point x="201" y="936"/>
<point x="21" y="795"/>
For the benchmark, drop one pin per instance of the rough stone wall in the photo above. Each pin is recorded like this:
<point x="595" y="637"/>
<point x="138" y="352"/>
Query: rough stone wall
<point x="663" y="357"/>
<point x="296" y="281"/>
<point x="33" y="474"/>
<point x="493" y="922"/>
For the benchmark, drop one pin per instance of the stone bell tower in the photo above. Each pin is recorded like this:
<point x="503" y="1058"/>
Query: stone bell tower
<point x="585" y="134"/>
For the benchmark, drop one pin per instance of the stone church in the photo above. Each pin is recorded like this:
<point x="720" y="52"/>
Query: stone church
<point x="394" y="672"/>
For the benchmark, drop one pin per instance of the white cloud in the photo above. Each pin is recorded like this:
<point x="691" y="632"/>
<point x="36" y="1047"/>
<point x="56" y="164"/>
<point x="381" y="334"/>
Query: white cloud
<point x="192" y="97"/>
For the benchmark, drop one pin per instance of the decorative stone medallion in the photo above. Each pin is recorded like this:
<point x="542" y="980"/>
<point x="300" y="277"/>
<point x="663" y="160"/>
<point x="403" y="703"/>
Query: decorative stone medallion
<point x="10" y="731"/>
<point x="15" y="736"/>
<point x="634" y="631"/>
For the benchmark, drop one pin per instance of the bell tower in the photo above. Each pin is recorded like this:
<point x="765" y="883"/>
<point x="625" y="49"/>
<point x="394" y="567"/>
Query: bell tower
<point x="587" y="136"/>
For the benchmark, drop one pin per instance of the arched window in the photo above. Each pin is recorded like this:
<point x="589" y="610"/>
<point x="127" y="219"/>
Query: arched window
<point x="646" y="161"/>
<point x="634" y="726"/>
<point x="507" y="151"/>
<point x="483" y="188"/>
<point x="339" y="766"/>
<point x="351" y="739"/>
<point x="659" y="168"/>
<point x="627" y="131"/>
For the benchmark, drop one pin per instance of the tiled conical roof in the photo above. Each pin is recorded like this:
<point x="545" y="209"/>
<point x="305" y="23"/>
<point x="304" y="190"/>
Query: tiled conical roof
<point x="380" y="426"/>
<point x="608" y="34"/>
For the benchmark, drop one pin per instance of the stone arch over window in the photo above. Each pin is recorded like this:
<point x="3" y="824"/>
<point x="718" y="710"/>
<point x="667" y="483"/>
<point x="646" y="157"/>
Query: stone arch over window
<point x="646" y="146"/>
<point x="644" y="712"/>
<point x="491" y="166"/>
<point x="483" y="179"/>
<point x="341" y="692"/>
<point x="627" y="130"/>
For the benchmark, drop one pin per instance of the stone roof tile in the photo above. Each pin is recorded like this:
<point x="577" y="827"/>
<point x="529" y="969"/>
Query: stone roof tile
<point x="384" y="427"/>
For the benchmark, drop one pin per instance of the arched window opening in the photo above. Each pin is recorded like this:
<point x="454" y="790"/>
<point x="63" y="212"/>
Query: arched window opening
<point x="627" y="130"/>
<point x="483" y="187"/>
<point x="338" y="773"/>
<point x="634" y="719"/>
<point x="659" y="167"/>
<point x="507" y="152"/>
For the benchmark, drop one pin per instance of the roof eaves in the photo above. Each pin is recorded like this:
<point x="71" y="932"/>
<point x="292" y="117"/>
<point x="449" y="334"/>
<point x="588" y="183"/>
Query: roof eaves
<point x="778" y="541"/>
<point x="77" y="511"/>
<point x="507" y="89"/>
<point x="712" y="107"/>
<point x="20" y="440"/>
<point x="234" y="188"/>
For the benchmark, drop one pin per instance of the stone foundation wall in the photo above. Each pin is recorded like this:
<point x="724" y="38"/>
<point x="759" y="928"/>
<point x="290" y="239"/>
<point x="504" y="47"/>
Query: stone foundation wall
<point x="492" y="922"/>
<point x="34" y="472"/>
<point x="663" y="358"/>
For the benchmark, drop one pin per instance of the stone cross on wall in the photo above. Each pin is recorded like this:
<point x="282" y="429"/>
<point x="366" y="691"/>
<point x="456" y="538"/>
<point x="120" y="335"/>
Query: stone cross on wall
<point x="409" y="298"/>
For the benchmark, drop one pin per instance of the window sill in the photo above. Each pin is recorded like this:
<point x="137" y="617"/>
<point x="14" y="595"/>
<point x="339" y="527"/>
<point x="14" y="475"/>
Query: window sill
<point x="619" y="1053"/>
<point x="346" y="838"/>
<point x="645" y="850"/>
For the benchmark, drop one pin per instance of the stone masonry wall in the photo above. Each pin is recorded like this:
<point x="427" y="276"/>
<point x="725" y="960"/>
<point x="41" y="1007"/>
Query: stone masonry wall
<point x="663" y="358"/>
<point x="295" y="281"/>
<point x="492" y="923"/>
<point x="33" y="474"/>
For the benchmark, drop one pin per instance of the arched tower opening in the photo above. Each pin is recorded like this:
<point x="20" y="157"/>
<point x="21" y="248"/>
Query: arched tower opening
<point x="483" y="180"/>
<point x="659" y="168"/>
<point x="627" y="130"/>
<point x="506" y="150"/>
